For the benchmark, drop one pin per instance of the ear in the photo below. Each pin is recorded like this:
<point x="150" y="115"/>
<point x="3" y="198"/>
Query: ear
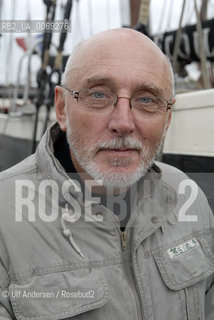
<point x="170" y="114"/>
<point x="59" y="102"/>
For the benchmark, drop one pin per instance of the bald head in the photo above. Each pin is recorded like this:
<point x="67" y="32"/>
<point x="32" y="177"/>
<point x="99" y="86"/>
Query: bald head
<point x="119" y="44"/>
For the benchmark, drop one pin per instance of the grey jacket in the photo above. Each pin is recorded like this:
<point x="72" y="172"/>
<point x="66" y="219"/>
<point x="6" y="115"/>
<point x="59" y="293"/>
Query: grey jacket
<point x="65" y="258"/>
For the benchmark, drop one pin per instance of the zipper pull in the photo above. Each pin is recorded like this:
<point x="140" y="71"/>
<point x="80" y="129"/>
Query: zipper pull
<point x="123" y="239"/>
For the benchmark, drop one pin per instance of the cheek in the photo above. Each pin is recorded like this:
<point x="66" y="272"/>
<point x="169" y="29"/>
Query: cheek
<point x="89" y="125"/>
<point x="151" y="131"/>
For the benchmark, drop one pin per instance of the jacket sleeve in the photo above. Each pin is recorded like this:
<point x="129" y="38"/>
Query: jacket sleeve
<point x="210" y="301"/>
<point x="209" y="297"/>
<point x="5" y="305"/>
<point x="4" y="314"/>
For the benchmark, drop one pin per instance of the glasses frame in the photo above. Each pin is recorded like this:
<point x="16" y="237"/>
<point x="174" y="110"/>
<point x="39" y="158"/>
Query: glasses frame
<point x="75" y="95"/>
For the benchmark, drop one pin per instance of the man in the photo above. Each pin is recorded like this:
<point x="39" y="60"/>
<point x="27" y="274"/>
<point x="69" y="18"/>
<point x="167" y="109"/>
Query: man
<point x="91" y="227"/>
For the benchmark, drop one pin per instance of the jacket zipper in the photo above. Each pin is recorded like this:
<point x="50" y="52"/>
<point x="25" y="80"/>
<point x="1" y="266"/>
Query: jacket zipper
<point x="129" y="276"/>
<point x="123" y="239"/>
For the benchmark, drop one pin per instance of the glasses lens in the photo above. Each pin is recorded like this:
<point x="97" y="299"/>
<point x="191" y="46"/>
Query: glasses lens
<point x="96" y="98"/>
<point x="149" y="104"/>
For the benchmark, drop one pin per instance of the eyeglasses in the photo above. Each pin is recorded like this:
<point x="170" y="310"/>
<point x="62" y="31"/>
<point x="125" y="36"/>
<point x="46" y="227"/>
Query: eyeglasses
<point x="144" y="102"/>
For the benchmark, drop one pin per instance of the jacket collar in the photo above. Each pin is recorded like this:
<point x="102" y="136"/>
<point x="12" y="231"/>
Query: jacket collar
<point x="52" y="168"/>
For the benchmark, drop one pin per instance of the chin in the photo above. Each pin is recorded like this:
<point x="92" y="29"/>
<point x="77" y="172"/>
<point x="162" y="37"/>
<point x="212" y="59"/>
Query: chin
<point x="116" y="177"/>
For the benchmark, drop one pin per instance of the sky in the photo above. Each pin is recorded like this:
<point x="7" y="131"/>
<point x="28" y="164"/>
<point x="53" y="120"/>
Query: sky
<point x="88" y="17"/>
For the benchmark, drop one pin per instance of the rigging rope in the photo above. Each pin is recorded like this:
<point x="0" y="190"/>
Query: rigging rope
<point x="55" y="76"/>
<point x="144" y="12"/>
<point x="143" y="17"/>
<point x="177" y="39"/>
<point x="42" y="75"/>
<point x="9" y="59"/>
<point x="205" y="77"/>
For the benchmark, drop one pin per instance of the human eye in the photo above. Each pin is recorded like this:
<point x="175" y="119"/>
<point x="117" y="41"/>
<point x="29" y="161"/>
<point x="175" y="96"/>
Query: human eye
<point x="99" y="92"/>
<point x="98" y="95"/>
<point x="145" y="100"/>
<point x="97" y="98"/>
<point x="145" y="97"/>
<point x="145" y="103"/>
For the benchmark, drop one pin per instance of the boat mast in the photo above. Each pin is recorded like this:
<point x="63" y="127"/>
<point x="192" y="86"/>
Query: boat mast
<point x="205" y="77"/>
<point x="178" y="40"/>
<point x="203" y="11"/>
<point x="143" y="17"/>
<point x="10" y="49"/>
<point x="135" y="9"/>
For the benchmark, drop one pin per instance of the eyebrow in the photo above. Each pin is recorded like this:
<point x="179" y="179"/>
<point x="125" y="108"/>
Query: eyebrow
<point x="152" y="88"/>
<point x="139" y="87"/>
<point x="99" y="79"/>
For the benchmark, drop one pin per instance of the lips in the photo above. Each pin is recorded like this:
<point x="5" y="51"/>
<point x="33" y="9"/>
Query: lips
<point x="120" y="151"/>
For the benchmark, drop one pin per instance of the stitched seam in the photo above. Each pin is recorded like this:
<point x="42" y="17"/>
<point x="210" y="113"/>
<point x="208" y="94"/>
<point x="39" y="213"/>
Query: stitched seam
<point x="63" y="267"/>
<point x="82" y="308"/>
<point x="171" y="282"/>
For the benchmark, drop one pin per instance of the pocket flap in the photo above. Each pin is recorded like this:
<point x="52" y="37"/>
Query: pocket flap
<point x="59" y="295"/>
<point x="184" y="262"/>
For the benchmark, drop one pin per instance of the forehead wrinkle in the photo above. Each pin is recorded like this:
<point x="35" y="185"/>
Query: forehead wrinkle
<point x="151" y="87"/>
<point x="99" y="79"/>
<point x="109" y="40"/>
<point x="137" y="87"/>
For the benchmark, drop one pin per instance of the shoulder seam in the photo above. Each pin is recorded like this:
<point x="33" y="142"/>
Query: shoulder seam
<point x="31" y="169"/>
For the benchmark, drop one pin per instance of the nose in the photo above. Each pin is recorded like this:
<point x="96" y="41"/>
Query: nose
<point x="121" y="121"/>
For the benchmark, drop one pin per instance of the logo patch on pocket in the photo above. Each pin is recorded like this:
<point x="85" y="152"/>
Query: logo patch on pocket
<point x="183" y="248"/>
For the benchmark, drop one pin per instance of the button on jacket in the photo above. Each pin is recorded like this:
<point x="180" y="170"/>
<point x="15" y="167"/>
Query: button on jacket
<point x="62" y="257"/>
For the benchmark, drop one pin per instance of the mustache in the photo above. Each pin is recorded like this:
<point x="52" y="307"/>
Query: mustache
<point x="120" y="143"/>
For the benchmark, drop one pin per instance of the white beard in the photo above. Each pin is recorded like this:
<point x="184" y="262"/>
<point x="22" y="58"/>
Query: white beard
<point x="85" y="157"/>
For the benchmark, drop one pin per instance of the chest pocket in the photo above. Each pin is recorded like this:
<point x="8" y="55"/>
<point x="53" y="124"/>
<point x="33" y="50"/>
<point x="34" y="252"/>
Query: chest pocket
<point x="61" y="295"/>
<point x="183" y="266"/>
